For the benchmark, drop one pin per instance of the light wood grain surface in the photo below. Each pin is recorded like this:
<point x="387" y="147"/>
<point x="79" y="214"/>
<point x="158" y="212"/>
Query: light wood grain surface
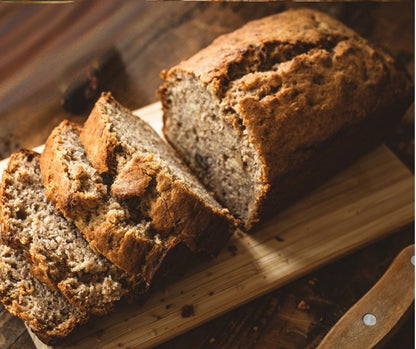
<point x="369" y="200"/>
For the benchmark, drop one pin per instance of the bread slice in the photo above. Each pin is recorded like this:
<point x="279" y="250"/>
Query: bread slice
<point x="141" y="168"/>
<point x="115" y="229"/>
<point x="58" y="253"/>
<point x="271" y="109"/>
<point x="48" y="314"/>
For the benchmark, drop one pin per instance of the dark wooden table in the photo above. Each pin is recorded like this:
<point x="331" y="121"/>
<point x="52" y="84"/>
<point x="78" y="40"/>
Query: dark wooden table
<point x="54" y="60"/>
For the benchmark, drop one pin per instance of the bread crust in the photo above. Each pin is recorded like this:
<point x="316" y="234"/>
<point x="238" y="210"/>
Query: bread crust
<point x="180" y="211"/>
<point x="59" y="188"/>
<point x="294" y="80"/>
<point x="99" y="137"/>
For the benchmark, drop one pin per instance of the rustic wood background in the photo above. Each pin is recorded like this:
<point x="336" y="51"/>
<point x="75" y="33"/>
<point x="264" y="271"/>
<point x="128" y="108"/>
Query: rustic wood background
<point x="54" y="60"/>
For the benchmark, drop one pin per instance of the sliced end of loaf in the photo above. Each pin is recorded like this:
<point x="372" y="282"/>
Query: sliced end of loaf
<point x="209" y="137"/>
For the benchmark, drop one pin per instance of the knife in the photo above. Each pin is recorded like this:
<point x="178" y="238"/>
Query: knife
<point x="378" y="312"/>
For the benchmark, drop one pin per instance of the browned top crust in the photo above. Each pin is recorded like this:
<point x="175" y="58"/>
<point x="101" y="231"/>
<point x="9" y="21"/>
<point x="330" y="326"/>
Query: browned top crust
<point x="294" y="79"/>
<point x="270" y="39"/>
<point x="61" y="189"/>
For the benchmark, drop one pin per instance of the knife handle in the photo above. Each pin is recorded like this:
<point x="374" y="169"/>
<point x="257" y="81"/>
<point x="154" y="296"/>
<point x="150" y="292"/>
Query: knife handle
<point x="374" y="316"/>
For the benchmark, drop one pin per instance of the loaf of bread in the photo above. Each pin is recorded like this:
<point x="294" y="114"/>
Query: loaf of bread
<point x="47" y="312"/>
<point x="271" y="110"/>
<point x="58" y="254"/>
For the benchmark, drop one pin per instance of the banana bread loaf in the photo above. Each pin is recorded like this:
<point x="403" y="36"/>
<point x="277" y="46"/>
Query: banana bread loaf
<point x="269" y="111"/>
<point x="47" y="312"/>
<point x="57" y="252"/>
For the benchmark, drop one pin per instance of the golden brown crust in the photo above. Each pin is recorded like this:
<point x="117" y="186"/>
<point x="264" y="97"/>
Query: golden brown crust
<point x="125" y="249"/>
<point x="302" y="115"/>
<point x="292" y="31"/>
<point x="60" y="188"/>
<point x="294" y="80"/>
<point x="181" y="212"/>
<point x="40" y="271"/>
<point x="98" y="137"/>
<point x="134" y="178"/>
<point x="11" y="301"/>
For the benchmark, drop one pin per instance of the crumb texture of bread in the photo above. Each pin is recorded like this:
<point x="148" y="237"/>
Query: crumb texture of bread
<point x="115" y="228"/>
<point x="58" y="253"/>
<point x="257" y="104"/>
<point x="47" y="312"/>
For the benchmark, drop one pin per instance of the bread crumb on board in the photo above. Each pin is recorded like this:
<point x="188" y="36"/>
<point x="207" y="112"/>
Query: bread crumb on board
<point x="187" y="310"/>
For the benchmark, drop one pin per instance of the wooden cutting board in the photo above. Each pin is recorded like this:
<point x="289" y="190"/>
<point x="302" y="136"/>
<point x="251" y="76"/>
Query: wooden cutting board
<point x="369" y="200"/>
